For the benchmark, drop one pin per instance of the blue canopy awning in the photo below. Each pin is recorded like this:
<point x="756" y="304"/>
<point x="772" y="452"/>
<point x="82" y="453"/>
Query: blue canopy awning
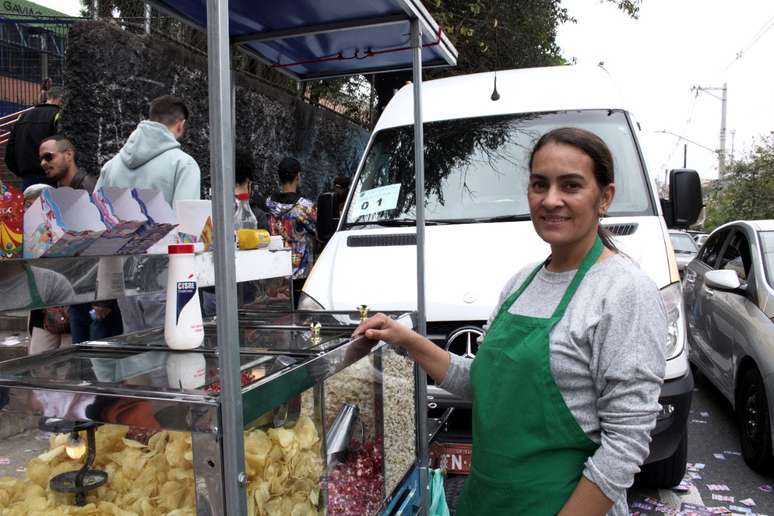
<point x="310" y="39"/>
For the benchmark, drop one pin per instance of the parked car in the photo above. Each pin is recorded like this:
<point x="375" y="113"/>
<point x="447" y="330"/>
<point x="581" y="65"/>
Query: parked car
<point x="685" y="248"/>
<point x="729" y="298"/>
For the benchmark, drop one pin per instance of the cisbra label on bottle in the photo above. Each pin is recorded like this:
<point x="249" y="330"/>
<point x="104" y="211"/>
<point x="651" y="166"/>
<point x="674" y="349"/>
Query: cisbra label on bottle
<point x="185" y="292"/>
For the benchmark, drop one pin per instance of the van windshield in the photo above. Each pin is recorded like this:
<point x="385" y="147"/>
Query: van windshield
<point x="476" y="169"/>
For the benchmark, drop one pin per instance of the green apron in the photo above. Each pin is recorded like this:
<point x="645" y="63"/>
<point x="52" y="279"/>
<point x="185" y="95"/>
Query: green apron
<point x="528" y="450"/>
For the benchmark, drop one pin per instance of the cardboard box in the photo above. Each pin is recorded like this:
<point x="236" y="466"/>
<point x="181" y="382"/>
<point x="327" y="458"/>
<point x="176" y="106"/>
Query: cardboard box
<point x="123" y="217"/>
<point x="11" y="222"/>
<point x="61" y="222"/>
<point x="195" y="222"/>
<point x="160" y="221"/>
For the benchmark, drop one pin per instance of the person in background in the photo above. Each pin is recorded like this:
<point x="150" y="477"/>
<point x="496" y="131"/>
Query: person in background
<point x="295" y="219"/>
<point x="31" y="287"/>
<point x="21" y="152"/>
<point x="244" y="167"/>
<point x="341" y="189"/>
<point x="57" y="159"/>
<point x="88" y="321"/>
<point x="565" y="384"/>
<point x="152" y="159"/>
<point x="244" y="175"/>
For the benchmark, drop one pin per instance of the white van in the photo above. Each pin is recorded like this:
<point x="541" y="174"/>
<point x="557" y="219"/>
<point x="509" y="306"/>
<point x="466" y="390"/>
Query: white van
<point x="478" y="229"/>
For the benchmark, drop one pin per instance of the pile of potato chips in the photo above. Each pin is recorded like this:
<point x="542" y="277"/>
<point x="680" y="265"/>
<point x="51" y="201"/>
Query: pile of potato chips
<point x="283" y="466"/>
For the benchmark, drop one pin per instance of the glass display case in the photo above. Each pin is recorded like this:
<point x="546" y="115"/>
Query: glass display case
<point x="328" y="419"/>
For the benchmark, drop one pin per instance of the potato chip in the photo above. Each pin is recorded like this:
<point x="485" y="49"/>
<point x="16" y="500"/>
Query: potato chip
<point x="282" y="436"/>
<point x="306" y="432"/>
<point x="52" y="453"/>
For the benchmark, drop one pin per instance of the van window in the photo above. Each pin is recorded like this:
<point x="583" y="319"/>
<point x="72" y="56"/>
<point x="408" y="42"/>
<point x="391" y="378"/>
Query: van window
<point x="476" y="169"/>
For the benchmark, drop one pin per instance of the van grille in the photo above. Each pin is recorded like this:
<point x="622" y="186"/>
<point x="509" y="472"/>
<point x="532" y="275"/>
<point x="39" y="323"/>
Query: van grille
<point x="621" y="229"/>
<point x="382" y="240"/>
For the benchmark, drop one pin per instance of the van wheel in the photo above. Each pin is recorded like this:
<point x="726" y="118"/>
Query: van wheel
<point x="665" y="473"/>
<point x="752" y="412"/>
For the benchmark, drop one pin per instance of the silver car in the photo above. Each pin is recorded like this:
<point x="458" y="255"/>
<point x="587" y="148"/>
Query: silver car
<point x="685" y="248"/>
<point x="729" y="301"/>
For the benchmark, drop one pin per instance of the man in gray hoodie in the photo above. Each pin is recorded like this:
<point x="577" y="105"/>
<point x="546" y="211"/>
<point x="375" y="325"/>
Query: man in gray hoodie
<point x="152" y="159"/>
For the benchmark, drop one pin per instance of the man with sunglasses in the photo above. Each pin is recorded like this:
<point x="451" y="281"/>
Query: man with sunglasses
<point x="57" y="159"/>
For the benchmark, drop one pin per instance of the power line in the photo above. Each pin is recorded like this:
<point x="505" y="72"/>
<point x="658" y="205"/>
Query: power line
<point x="688" y="121"/>
<point x="767" y="26"/>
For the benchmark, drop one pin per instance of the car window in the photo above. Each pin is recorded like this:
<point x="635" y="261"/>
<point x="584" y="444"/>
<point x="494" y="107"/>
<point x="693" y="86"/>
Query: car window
<point x="737" y="256"/>
<point x="682" y="243"/>
<point x="711" y="248"/>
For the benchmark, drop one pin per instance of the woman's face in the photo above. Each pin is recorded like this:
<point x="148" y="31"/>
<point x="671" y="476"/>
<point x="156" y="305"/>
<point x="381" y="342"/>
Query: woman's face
<point x="565" y="200"/>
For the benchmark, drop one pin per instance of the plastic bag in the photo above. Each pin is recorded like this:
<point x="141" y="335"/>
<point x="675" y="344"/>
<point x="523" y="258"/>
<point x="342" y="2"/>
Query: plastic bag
<point x="438" y="505"/>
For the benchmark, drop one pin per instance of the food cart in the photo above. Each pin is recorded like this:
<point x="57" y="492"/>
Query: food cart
<point x="271" y="390"/>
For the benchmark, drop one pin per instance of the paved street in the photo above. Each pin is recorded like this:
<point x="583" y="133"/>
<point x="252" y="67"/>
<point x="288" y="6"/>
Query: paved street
<point x="713" y="430"/>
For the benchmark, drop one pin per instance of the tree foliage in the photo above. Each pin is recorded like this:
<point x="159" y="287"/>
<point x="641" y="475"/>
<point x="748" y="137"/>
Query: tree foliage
<point x="747" y="192"/>
<point x="496" y="35"/>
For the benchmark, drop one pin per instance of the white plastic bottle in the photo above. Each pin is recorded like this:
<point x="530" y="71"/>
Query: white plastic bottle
<point x="183" y="327"/>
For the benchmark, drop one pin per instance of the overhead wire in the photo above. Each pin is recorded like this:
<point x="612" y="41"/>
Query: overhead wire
<point x="765" y="28"/>
<point x="687" y="123"/>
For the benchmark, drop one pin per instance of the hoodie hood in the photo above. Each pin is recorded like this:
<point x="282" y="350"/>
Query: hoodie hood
<point x="146" y="142"/>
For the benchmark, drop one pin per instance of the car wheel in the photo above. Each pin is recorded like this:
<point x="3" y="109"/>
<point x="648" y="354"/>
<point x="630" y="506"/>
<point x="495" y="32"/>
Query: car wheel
<point x="752" y="412"/>
<point x="665" y="473"/>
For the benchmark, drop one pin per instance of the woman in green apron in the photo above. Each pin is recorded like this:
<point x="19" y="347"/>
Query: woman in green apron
<point x="565" y="384"/>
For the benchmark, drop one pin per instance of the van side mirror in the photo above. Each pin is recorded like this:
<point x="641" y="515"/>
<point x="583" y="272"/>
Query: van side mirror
<point x="685" y="202"/>
<point x="327" y="216"/>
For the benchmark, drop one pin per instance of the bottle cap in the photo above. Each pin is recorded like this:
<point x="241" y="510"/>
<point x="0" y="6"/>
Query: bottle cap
<point x="181" y="248"/>
<point x="243" y="196"/>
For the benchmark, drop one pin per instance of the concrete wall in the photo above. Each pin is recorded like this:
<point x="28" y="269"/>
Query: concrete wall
<point x="112" y="75"/>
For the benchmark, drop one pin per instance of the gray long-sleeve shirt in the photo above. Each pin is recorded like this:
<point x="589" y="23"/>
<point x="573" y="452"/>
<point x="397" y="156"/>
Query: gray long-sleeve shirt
<point x="607" y="358"/>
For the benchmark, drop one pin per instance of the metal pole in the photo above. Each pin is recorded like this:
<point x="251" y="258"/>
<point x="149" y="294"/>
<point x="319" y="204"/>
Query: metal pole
<point x="722" y="163"/>
<point x="222" y="175"/>
<point x="685" y="155"/>
<point x="419" y="169"/>
<point x="147" y="18"/>
<point x="43" y="56"/>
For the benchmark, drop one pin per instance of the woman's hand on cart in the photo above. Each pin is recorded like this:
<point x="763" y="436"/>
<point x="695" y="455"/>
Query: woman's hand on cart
<point x="381" y="327"/>
<point x="433" y="359"/>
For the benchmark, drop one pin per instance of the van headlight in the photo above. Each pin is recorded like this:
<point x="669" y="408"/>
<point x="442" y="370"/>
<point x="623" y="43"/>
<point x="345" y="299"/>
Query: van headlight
<point x="308" y="304"/>
<point x="673" y="300"/>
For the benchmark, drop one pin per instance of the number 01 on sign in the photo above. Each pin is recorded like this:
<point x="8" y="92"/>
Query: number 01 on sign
<point x="376" y="200"/>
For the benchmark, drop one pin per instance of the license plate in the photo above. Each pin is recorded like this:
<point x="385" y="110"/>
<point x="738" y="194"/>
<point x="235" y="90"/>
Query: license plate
<point x="453" y="457"/>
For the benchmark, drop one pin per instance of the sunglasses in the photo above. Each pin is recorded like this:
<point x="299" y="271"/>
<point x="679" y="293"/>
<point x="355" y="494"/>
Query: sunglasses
<point x="48" y="156"/>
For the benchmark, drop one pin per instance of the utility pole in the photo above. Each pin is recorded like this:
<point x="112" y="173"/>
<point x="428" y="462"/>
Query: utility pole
<point x="733" y="138"/>
<point x="685" y="155"/>
<point x="724" y="101"/>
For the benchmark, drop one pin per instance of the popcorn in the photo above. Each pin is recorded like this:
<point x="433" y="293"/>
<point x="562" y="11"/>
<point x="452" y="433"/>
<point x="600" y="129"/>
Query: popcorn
<point x="399" y="418"/>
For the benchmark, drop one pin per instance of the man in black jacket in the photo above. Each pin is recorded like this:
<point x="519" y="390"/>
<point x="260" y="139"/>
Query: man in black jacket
<point x="21" y="153"/>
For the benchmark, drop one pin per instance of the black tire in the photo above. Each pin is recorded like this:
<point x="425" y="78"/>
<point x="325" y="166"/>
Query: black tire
<point x="665" y="473"/>
<point x="752" y="413"/>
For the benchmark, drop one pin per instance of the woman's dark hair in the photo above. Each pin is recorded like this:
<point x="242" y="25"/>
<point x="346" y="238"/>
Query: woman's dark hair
<point x="592" y="146"/>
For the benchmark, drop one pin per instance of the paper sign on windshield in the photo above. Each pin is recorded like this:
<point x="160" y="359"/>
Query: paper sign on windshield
<point x="376" y="200"/>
